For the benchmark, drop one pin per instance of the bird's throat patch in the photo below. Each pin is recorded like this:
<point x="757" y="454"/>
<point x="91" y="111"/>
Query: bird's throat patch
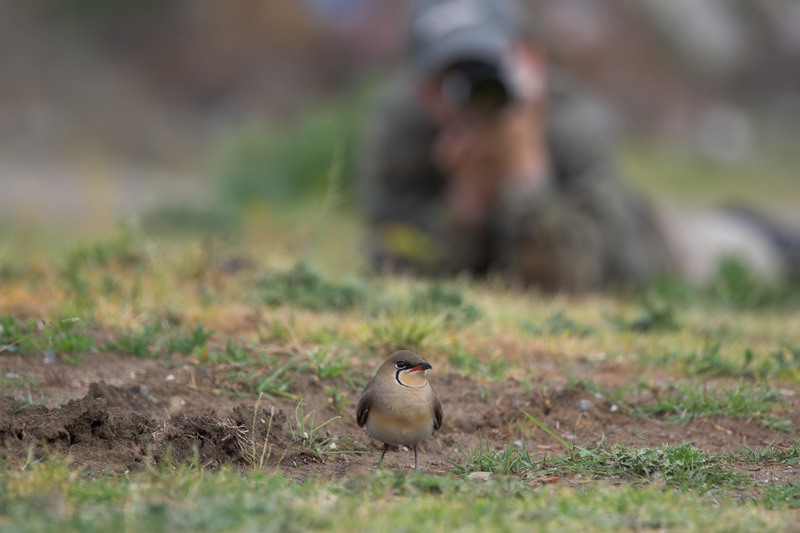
<point x="414" y="379"/>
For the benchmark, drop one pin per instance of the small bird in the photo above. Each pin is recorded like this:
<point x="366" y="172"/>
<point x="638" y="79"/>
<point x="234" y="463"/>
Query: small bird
<point x="399" y="406"/>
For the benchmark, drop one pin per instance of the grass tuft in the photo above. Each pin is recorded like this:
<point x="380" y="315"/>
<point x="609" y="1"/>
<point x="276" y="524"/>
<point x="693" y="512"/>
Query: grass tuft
<point x="494" y="367"/>
<point x="141" y="342"/>
<point x="303" y="287"/>
<point x="17" y="335"/>
<point x="558" y="324"/>
<point x="512" y="459"/>
<point x="307" y="432"/>
<point x="188" y="343"/>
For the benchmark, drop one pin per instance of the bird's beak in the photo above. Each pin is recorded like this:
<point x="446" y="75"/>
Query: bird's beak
<point x="421" y="366"/>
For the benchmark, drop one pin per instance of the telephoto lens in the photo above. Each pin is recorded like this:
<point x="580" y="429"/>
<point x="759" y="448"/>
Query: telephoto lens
<point x="476" y="87"/>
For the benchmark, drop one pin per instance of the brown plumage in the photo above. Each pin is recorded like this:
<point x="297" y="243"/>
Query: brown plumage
<point x="399" y="406"/>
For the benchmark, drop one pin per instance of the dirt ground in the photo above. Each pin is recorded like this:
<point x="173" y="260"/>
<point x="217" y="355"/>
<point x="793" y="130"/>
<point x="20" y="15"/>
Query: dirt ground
<point x="116" y="414"/>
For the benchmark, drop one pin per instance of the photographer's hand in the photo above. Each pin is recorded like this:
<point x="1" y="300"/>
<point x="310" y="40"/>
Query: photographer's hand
<point x="480" y="159"/>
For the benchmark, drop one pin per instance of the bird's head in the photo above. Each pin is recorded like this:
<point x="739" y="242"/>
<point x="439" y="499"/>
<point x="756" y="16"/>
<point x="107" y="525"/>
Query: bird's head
<point x="407" y="368"/>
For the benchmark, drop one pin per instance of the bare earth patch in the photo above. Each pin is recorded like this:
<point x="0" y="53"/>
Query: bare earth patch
<point x="118" y="414"/>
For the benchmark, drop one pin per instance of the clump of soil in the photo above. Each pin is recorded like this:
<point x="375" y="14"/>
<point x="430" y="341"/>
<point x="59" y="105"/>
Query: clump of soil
<point x="87" y="431"/>
<point x="104" y="431"/>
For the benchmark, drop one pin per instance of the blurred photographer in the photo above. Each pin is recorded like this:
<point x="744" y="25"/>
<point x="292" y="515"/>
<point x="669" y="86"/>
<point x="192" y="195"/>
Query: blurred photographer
<point x="479" y="159"/>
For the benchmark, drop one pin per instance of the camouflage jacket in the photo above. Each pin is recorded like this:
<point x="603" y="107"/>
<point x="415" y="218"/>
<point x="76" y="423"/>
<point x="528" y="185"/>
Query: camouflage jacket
<point x="586" y="231"/>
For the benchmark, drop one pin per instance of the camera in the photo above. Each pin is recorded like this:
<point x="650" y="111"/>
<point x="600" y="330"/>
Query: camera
<point x="478" y="88"/>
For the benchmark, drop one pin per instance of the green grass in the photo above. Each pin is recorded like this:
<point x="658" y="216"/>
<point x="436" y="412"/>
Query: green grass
<point x="17" y="335"/>
<point x="327" y="363"/>
<point x="141" y="342"/>
<point x="186" y="343"/>
<point x="789" y="455"/>
<point x="686" y="401"/>
<point x="120" y="253"/>
<point x="232" y="353"/>
<point x="307" y="431"/>
<point x="441" y="299"/>
<point x="66" y="337"/>
<point x="302" y="286"/>
<point x="494" y="367"/>
<point x="49" y="497"/>
<point x="513" y="459"/>
<point x="558" y="324"/>
<point x="403" y="332"/>
<point x="269" y="375"/>
<point x="710" y="361"/>
<point x="154" y="339"/>
<point x="332" y="366"/>
<point x="655" y="315"/>
<point x="682" y="467"/>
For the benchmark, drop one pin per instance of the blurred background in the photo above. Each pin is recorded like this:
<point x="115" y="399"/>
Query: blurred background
<point x="190" y="112"/>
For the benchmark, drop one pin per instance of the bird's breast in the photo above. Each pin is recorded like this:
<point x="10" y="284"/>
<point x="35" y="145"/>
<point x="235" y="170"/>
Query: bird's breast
<point x="402" y="416"/>
<point x="406" y="428"/>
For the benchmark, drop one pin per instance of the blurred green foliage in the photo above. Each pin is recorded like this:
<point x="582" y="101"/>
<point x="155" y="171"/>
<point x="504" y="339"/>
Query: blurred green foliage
<point x="154" y="339"/>
<point x="734" y="286"/>
<point x="17" y="335"/>
<point x="305" y="287"/>
<point x="677" y="170"/>
<point x="558" y="324"/>
<point x="447" y="302"/>
<point x="279" y="163"/>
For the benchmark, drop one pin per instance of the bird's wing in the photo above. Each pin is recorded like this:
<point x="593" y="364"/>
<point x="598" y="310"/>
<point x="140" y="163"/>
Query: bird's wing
<point x="437" y="412"/>
<point x="363" y="407"/>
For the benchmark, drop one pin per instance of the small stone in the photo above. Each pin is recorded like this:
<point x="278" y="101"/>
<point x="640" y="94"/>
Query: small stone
<point x="171" y="377"/>
<point x="145" y="393"/>
<point x="480" y="476"/>
<point x="584" y="405"/>
<point x="614" y="408"/>
<point x="49" y="357"/>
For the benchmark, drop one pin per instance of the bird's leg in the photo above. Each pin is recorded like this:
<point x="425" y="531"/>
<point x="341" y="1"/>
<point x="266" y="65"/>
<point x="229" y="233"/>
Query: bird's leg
<point x="385" y="447"/>
<point x="416" y="461"/>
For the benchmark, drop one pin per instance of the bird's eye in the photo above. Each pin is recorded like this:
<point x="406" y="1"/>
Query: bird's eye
<point x="400" y="365"/>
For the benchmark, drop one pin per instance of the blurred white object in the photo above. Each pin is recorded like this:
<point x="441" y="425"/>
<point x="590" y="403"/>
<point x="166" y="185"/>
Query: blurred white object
<point x="702" y="240"/>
